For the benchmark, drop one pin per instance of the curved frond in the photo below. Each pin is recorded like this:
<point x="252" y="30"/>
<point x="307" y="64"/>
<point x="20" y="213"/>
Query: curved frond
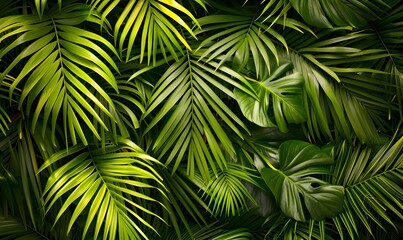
<point x="5" y="119"/>
<point x="18" y="166"/>
<point x="279" y="226"/>
<point x="112" y="185"/>
<point x="9" y="7"/>
<point x="184" y="204"/>
<point x="214" y="231"/>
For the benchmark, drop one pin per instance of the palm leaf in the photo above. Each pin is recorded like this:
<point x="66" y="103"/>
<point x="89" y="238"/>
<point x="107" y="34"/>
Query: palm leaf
<point x="11" y="228"/>
<point x="186" y="97"/>
<point x="9" y="7"/>
<point x="5" y="119"/>
<point x="227" y="193"/>
<point x="280" y="226"/>
<point x="216" y="231"/>
<point x="236" y="38"/>
<point x="152" y="22"/>
<point x="372" y="184"/>
<point x="56" y="52"/>
<point x="183" y="203"/>
<point x="341" y="13"/>
<point x="19" y="166"/>
<point x="108" y="184"/>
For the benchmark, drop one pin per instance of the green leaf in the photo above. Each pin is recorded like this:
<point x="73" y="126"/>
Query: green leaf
<point x="114" y="184"/>
<point x="278" y="96"/>
<point x="297" y="162"/>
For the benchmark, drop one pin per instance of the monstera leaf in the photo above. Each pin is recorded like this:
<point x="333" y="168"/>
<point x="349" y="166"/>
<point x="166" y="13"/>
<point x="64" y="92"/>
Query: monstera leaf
<point x="294" y="186"/>
<point x="280" y="95"/>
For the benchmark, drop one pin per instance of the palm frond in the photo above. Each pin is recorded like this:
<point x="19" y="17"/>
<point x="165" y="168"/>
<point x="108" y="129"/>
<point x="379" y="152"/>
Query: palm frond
<point x="279" y="226"/>
<point x="19" y="165"/>
<point x="184" y="204"/>
<point x="238" y="36"/>
<point x="355" y="13"/>
<point x="185" y="96"/>
<point x="372" y="185"/>
<point x="226" y="191"/>
<point x="152" y="22"/>
<point x="5" y="119"/>
<point x="216" y="231"/>
<point x="56" y="53"/>
<point x="11" y="228"/>
<point x="9" y="7"/>
<point x="243" y="40"/>
<point x="110" y="184"/>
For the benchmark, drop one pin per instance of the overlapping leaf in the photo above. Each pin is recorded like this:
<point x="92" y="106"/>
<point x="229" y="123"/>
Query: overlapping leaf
<point x="214" y="231"/>
<point x="183" y="203"/>
<point x="277" y="95"/>
<point x="12" y="228"/>
<point x="237" y="38"/>
<point x="297" y="163"/>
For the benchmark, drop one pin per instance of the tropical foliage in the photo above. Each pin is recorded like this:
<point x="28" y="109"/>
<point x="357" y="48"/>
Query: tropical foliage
<point x="201" y="119"/>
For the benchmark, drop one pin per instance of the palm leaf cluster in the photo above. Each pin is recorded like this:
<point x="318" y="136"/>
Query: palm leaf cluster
<point x="164" y="119"/>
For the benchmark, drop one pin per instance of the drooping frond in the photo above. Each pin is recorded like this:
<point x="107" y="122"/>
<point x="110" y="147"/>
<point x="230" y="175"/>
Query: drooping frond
<point x="153" y="22"/>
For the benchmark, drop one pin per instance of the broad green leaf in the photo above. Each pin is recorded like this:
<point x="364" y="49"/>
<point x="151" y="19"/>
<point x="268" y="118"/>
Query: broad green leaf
<point x="294" y="187"/>
<point x="276" y="95"/>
